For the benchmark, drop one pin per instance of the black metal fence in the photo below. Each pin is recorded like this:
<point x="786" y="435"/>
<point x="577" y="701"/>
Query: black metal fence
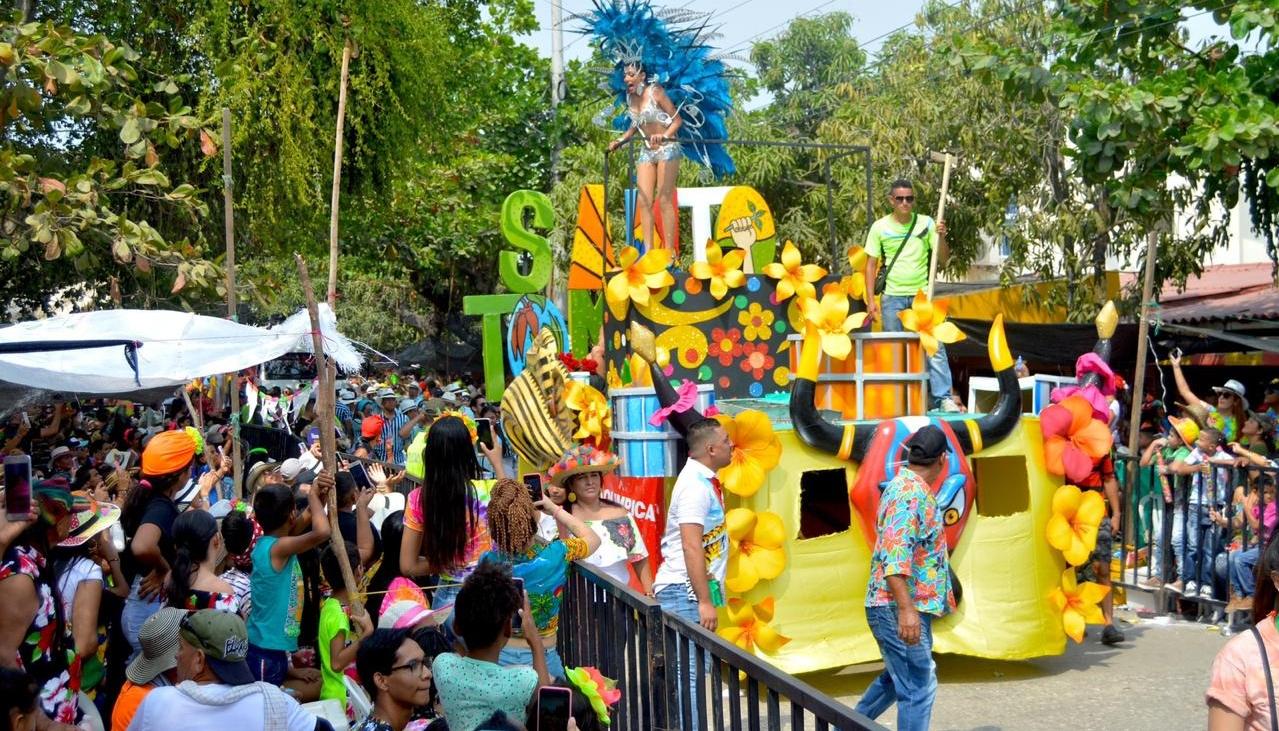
<point x="652" y="654"/>
<point x="1195" y="540"/>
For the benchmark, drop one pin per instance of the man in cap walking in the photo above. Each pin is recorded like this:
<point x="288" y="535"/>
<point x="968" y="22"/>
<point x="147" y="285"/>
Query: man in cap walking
<point x="909" y="584"/>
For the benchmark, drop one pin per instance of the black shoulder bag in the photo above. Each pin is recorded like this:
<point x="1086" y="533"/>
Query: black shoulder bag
<point x="1270" y="683"/>
<point x="881" y="277"/>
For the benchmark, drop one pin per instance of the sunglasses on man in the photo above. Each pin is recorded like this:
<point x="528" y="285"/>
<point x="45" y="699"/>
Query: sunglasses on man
<point x="904" y="198"/>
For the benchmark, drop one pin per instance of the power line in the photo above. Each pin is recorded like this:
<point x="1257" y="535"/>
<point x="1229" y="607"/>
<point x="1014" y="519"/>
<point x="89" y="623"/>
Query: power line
<point x="742" y="44"/>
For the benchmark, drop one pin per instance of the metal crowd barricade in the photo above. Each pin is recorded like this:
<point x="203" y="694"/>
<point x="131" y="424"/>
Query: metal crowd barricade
<point x="650" y="653"/>
<point x="1222" y="553"/>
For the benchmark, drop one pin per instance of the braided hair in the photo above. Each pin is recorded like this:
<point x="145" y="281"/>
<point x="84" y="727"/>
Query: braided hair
<point x="512" y="517"/>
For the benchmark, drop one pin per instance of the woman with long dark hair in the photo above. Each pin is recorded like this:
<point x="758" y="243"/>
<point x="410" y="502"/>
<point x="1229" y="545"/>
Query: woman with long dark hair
<point x="147" y="518"/>
<point x="388" y="569"/>
<point x="445" y="529"/>
<point x="1242" y="693"/>
<point x="33" y="626"/>
<point x="193" y="582"/>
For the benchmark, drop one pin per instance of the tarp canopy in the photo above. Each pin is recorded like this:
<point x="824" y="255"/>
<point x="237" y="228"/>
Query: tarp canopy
<point x="168" y="348"/>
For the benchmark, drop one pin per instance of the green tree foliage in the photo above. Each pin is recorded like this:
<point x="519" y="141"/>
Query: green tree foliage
<point x="73" y="218"/>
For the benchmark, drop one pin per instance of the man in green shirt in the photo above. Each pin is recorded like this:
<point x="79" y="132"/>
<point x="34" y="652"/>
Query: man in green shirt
<point x="904" y="241"/>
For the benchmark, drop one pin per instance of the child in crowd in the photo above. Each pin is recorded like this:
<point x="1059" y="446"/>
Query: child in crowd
<point x="275" y="620"/>
<point x="473" y="686"/>
<point x="337" y="645"/>
<point x="1193" y="532"/>
<point x="239" y="532"/>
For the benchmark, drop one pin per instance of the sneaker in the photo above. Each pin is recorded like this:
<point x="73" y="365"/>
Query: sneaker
<point x="1110" y="635"/>
<point x="1150" y="583"/>
<point x="1205" y="592"/>
<point x="948" y="406"/>
<point x="1174" y="587"/>
<point x="1192" y="589"/>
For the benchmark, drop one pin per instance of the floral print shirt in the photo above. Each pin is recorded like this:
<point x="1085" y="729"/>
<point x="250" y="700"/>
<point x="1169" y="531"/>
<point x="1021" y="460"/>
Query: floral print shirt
<point x="911" y="542"/>
<point x="49" y="659"/>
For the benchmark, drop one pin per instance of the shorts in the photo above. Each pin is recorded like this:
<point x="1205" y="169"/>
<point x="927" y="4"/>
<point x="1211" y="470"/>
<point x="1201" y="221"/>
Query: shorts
<point x="664" y="152"/>
<point x="268" y="666"/>
<point x="1101" y="554"/>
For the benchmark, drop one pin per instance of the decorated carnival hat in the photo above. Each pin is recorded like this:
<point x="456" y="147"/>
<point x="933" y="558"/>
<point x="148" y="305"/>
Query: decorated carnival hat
<point x="580" y="459"/>
<point x="404" y="605"/>
<point x="168" y="452"/>
<point x="87" y="523"/>
<point x="602" y="692"/>
<point x="537" y="419"/>
<point x="1187" y="429"/>
<point x="53" y="500"/>
<point x="1196" y="411"/>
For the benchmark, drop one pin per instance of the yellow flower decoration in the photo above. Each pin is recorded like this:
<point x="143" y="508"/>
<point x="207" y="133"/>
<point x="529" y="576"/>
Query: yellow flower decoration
<point x="748" y="626"/>
<point x="756" y="540"/>
<point x="639" y="276"/>
<point x="468" y="421"/>
<point x="594" y="417"/>
<point x="830" y="317"/>
<point x="1072" y="529"/>
<point x="929" y="320"/>
<point x="723" y="270"/>
<point x="852" y="285"/>
<point x="794" y="277"/>
<point x="756" y="450"/>
<point x="1077" y="604"/>
<point x="757" y="322"/>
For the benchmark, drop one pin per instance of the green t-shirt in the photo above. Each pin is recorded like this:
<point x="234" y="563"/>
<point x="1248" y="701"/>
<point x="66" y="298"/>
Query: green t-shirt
<point x="910" y="273"/>
<point x="332" y="621"/>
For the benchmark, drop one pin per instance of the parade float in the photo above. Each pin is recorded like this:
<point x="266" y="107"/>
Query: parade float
<point x="816" y="403"/>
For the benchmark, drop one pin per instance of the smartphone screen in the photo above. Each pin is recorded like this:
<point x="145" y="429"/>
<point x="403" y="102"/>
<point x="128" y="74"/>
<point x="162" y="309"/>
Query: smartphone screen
<point x="361" y="476"/>
<point x="533" y="482"/>
<point x="553" y="708"/>
<point x="516" y="621"/>
<point x="484" y="432"/>
<point x="17" y="487"/>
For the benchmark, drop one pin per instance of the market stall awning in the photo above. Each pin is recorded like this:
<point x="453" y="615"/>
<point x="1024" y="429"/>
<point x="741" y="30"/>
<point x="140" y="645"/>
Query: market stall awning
<point x="118" y="351"/>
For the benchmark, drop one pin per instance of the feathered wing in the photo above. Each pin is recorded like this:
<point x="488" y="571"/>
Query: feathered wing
<point x="675" y="48"/>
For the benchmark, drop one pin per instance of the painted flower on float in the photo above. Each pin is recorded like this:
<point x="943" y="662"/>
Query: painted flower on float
<point x="638" y="278"/>
<point x="748" y="626"/>
<point x="928" y="318"/>
<point x="794" y="276"/>
<point x="756" y="541"/>
<point x="756" y="450"/>
<point x="1073" y="441"/>
<point x="725" y="345"/>
<point x="830" y="317"/>
<point x="723" y="270"/>
<point x="1072" y="529"/>
<point x="1077" y="603"/>
<point x="594" y="417"/>
<point x="757" y="322"/>
<point x="755" y="359"/>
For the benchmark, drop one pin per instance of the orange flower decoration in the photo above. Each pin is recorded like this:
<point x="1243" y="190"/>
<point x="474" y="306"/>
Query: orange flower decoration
<point x="756" y="450"/>
<point x="638" y="278"/>
<point x="749" y="626"/>
<point x="1073" y="441"/>
<point x="928" y="318"/>
<point x="793" y="275"/>
<point x="1072" y="529"/>
<point x="723" y="270"/>
<point x="1077" y="604"/>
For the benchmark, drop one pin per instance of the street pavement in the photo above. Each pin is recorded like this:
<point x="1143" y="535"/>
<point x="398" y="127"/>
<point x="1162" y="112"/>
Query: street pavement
<point x="1155" y="680"/>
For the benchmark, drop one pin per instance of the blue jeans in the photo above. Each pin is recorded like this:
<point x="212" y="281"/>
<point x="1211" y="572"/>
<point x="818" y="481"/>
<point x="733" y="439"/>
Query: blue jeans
<point x="1242" y="566"/>
<point x="910" y="675"/>
<point x="524" y="656"/>
<point x="135" y="613"/>
<point x="939" y="380"/>
<point x="268" y="666"/>
<point x="674" y="600"/>
<point x="1192" y="539"/>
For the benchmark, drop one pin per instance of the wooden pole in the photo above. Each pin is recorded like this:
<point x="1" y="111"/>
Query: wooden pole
<point x="337" y="180"/>
<point x="324" y="407"/>
<point x="228" y="218"/>
<point x="941" y="217"/>
<point x="1139" y="378"/>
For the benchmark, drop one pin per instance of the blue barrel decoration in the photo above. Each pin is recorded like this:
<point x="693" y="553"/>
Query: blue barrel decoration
<point x="647" y="450"/>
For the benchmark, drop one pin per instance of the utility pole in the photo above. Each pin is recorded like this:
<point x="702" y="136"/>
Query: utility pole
<point x="559" y="90"/>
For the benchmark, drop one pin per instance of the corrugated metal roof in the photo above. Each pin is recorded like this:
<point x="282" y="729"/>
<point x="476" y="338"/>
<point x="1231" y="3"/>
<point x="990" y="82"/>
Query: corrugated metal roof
<point x="1227" y="292"/>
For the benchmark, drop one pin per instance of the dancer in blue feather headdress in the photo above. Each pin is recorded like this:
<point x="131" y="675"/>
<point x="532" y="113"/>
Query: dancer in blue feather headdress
<point x="672" y="91"/>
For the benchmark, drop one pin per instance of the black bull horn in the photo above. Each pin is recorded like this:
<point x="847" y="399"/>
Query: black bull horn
<point x="849" y="442"/>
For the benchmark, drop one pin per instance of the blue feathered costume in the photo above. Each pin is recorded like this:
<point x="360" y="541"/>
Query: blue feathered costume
<point x="671" y="45"/>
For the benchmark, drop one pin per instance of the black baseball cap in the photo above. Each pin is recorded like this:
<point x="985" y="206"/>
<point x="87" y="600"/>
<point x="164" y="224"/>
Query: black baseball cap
<point x="926" y="445"/>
